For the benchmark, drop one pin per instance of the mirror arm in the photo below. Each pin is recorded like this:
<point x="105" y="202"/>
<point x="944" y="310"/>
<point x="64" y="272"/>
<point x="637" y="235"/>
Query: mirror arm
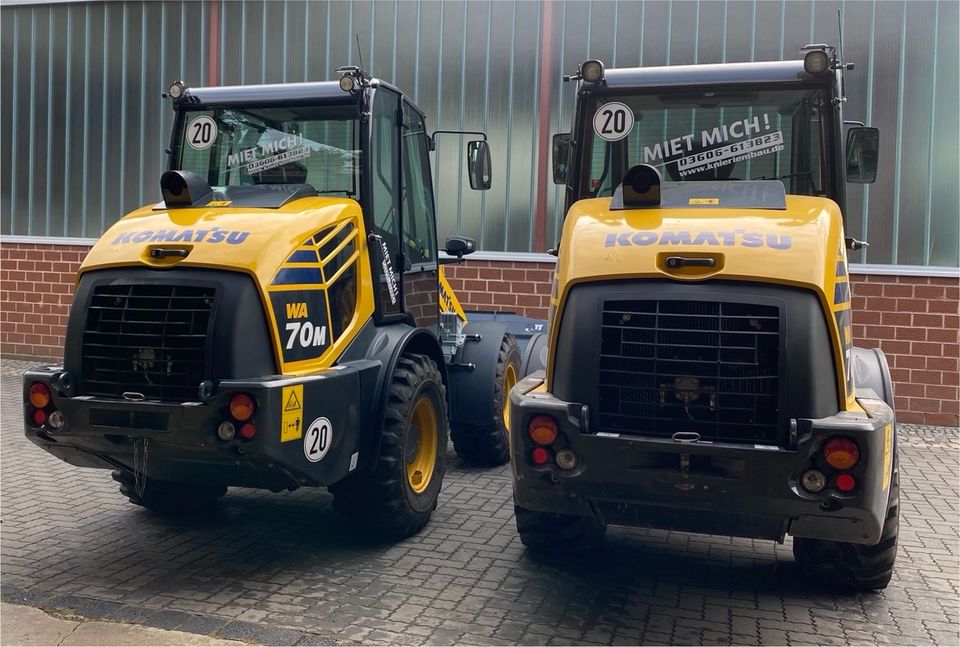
<point x="853" y="122"/>
<point x="450" y="260"/>
<point x="433" y="135"/>
<point x="855" y="245"/>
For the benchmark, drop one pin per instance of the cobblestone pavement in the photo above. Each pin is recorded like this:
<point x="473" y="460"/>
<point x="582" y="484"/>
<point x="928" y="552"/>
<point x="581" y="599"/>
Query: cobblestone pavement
<point x="280" y="568"/>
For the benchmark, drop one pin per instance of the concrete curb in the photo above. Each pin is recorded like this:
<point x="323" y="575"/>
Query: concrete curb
<point x="23" y="625"/>
<point x="218" y="631"/>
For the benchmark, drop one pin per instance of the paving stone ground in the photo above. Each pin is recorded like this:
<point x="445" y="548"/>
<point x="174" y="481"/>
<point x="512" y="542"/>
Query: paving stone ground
<point x="281" y="568"/>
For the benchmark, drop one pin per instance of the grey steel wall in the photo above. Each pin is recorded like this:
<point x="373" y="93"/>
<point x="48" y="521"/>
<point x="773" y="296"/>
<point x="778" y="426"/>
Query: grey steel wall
<point x="84" y="126"/>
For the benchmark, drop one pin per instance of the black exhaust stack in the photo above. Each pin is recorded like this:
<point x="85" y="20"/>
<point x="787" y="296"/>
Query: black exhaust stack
<point x="182" y="189"/>
<point x="640" y="188"/>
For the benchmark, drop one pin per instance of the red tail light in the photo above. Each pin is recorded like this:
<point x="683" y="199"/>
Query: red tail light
<point x="841" y="453"/>
<point x="39" y="395"/>
<point x="539" y="456"/>
<point x="242" y="407"/>
<point x="248" y="431"/>
<point x="543" y="430"/>
<point x="845" y="482"/>
<point x="39" y="417"/>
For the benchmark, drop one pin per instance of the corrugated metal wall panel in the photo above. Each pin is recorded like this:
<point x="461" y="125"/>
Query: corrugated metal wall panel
<point x="940" y="217"/>
<point x="84" y="106"/>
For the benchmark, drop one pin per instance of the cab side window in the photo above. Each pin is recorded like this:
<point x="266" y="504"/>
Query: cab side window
<point x="420" y="238"/>
<point x="384" y="199"/>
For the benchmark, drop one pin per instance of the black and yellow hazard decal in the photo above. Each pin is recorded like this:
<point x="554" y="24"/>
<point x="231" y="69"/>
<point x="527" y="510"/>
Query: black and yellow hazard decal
<point x="844" y="325"/>
<point x="448" y="298"/>
<point x="299" y="292"/>
<point x="843" y="315"/>
<point x="841" y="292"/>
<point x="841" y="288"/>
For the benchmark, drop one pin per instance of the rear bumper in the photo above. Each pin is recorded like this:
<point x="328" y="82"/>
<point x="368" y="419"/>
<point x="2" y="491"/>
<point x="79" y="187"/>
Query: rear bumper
<point x="181" y="440"/>
<point x="715" y="488"/>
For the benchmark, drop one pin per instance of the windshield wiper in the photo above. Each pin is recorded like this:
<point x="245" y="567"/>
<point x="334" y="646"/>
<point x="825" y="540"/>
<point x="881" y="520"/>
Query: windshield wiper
<point x="783" y="177"/>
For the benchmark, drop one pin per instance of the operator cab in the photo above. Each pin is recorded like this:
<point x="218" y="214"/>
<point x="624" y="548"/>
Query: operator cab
<point x="726" y="122"/>
<point x="359" y="139"/>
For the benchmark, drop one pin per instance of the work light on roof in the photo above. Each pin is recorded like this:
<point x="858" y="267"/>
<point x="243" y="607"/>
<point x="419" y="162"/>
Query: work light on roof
<point x="353" y="78"/>
<point x="176" y="90"/>
<point x="816" y="58"/>
<point x="591" y="71"/>
<point x="347" y="83"/>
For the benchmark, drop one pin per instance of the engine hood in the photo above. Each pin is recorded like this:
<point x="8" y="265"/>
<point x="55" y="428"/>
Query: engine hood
<point x="256" y="241"/>
<point x="800" y="245"/>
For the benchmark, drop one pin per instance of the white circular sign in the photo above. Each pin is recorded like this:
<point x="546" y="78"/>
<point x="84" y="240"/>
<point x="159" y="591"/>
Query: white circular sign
<point x="613" y="121"/>
<point x="201" y="132"/>
<point x="317" y="440"/>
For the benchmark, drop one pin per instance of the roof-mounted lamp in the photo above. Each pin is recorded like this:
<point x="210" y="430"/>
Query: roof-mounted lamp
<point x="592" y="71"/>
<point x="816" y="58"/>
<point x="176" y="90"/>
<point x="353" y="78"/>
<point x="347" y="83"/>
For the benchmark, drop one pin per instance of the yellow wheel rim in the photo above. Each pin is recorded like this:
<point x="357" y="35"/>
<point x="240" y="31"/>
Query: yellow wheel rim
<point x="509" y="380"/>
<point x="423" y="431"/>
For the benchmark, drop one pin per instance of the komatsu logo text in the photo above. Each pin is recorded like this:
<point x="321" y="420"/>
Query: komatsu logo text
<point x="735" y="238"/>
<point x="212" y="235"/>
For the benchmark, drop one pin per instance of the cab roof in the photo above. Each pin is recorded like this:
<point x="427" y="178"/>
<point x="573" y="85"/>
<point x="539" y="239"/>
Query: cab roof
<point x="268" y="93"/>
<point x="708" y="74"/>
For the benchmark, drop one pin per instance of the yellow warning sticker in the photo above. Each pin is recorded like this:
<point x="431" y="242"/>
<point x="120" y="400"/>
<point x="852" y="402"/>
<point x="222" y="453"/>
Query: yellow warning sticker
<point x="887" y="454"/>
<point x="291" y="413"/>
<point x="703" y="201"/>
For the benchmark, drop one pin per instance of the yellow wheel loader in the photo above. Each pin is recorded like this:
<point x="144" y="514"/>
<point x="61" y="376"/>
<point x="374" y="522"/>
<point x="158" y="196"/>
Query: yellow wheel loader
<point x="280" y="318"/>
<point x="700" y="373"/>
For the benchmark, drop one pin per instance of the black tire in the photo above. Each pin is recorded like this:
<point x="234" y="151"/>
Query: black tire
<point x="548" y="532"/>
<point x="855" y="566"/>
<point x="486" y="443"/>
<point x="381" y="502"/>
<point x="167" y="497"/>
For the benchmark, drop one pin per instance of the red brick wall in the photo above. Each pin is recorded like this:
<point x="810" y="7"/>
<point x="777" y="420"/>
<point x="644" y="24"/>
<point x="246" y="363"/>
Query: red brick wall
<point x="914" y="320"/>
<point x="509" y="286"/>
<point x="36" y="286"/>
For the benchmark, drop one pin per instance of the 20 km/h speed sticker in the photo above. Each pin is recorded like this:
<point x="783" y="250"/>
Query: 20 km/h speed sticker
<point x="613" y="121"/>
<point x="317" y="440"/>
<point x="201" y="132"/>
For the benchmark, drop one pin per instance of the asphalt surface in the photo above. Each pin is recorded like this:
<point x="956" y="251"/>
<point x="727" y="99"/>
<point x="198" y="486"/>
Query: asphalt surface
<point x="282" y="568"/>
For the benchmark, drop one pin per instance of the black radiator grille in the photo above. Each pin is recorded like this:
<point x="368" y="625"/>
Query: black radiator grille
<point x="149" y="339"/>
<point x="705" y="367"/>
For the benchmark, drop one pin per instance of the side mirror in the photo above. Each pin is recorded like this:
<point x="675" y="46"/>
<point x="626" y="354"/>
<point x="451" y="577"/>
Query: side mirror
<point x="561" y="157"/>
<point x="863" y="146"/>
<point x="478" y="165"/>
<point x="460" y="246"/>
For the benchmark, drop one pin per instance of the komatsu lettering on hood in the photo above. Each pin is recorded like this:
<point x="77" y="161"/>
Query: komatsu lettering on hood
<point x="211" y="235"/>
<point x="735" y="238"/>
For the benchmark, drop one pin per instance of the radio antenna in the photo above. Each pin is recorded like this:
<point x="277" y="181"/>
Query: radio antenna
<point x="840" y="32"/>
<point x="843" y="65"/>
<point x="360" y="51"/>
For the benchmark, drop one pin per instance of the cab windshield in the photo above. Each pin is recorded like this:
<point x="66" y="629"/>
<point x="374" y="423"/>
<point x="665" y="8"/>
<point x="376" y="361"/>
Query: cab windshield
<point x="716" y="134"/>
<point x="241" y="146"/>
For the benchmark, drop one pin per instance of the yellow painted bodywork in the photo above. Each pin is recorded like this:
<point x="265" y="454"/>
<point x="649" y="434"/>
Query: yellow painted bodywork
<point x="214" y="238"/>
<point x="801" y="246"/>
<point x="448" y="298"/>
